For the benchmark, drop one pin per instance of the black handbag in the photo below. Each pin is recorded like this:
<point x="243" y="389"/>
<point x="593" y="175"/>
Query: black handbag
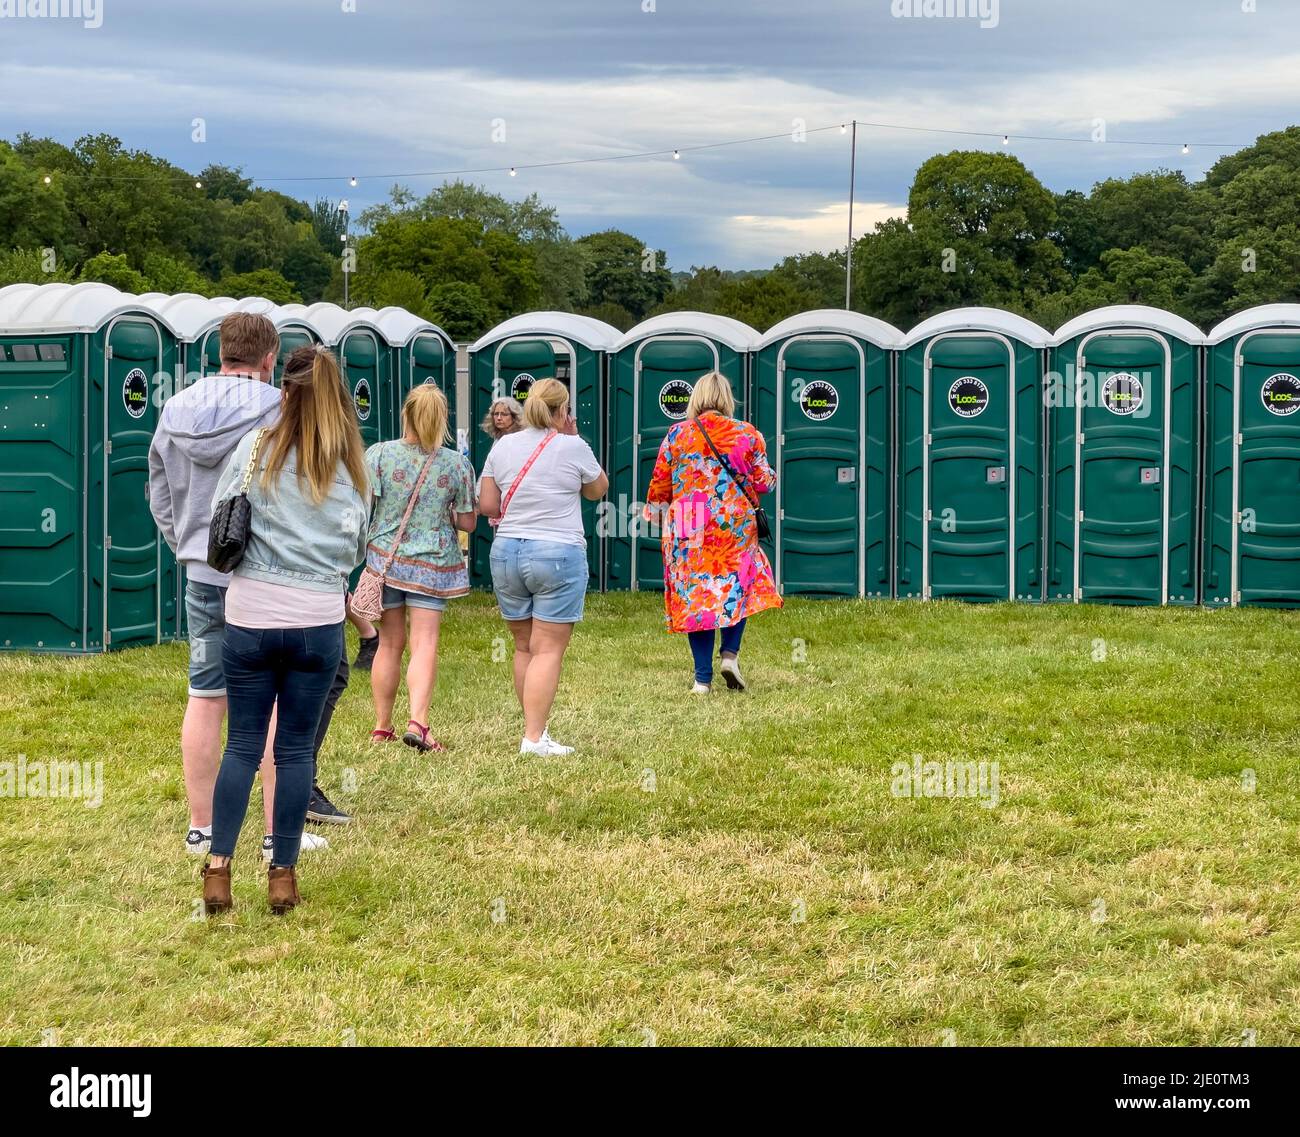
<point x="232" y="521"/>
<point x="760" y="514"/>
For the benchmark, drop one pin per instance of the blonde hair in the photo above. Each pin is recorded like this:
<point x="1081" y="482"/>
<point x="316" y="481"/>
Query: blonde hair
<point x="318" y="420"/>
<point x="545" y="397"/>
<point x="424" y="416"/>
<point x="711" y="392"/>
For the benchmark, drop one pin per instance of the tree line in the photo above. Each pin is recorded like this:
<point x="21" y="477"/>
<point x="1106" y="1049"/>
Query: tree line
<point x="980" y="229"/>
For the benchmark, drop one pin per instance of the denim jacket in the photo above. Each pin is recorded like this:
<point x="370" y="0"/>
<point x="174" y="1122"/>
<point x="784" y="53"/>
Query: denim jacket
<point x="295" y="540"/>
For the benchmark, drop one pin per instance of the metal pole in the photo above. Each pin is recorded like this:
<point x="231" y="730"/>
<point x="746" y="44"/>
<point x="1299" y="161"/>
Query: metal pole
<point x="848" y="256"/>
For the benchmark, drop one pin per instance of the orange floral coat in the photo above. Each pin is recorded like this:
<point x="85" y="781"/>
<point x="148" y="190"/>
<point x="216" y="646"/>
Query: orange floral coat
<point x="715" y="573"/>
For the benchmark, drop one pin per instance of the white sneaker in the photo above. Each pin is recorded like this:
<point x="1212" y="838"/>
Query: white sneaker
<point x="544" y="747"/>
<point x="700" y="688"/>
<point x="198" y="843"/>
<point x="310" y="844"/>
<point x="731" y="673"/>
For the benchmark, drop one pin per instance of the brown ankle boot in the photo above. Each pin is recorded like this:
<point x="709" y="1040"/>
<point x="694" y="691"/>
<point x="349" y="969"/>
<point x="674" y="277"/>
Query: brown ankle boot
<point x="216" y="889"/>
<point x="282" y="889"/>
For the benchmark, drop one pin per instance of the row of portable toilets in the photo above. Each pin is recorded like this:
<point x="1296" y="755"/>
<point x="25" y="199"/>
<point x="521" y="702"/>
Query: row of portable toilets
<point x="1126" y="459"/>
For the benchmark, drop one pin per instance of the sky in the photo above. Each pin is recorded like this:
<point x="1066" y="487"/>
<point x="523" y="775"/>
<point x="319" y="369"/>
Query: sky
<point x="305" y="94"/>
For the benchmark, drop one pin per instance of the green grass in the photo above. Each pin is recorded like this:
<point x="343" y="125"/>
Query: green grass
<point x="674" y="914"/>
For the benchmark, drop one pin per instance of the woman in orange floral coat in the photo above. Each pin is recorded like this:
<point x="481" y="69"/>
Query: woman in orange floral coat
<point x="715" y="574"/>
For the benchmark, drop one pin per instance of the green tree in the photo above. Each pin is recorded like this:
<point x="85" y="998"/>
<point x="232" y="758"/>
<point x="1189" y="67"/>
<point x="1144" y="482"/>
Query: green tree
<point x="114" y="269"/>
<point x="308" y="267"/>
<point x="1158" y="211"/>
<point x="460" y="310"/>
<point x="263" y="282"/>
<point x="163" y="273"/>
<point x="613" y="314"/>
<point x="31" y="266"/>
<point x="623" y="271"/>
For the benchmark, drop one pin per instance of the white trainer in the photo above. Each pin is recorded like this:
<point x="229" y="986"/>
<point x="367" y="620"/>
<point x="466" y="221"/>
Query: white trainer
<point x="700" y="688"/>
<point x="198" y="843"/>
<point x="731" y="673"/>
<point x="544" y="747"/>
<point x="310" y="843"/>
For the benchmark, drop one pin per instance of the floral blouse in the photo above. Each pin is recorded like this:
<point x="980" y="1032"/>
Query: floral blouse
<point x="430" y="560"/>
<point x="715" y="573"/>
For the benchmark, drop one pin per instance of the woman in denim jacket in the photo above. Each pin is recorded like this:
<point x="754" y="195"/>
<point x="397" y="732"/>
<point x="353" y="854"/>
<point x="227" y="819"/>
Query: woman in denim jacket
<point x="285" y="607"/>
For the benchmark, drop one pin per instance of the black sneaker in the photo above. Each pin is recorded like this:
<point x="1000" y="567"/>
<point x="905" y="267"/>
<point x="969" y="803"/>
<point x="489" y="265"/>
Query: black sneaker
<point x="366" y="653"/>
<point x="323" y="811"/>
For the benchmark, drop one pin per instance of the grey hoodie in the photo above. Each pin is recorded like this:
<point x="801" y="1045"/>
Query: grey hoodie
<point x="198" y="429"/>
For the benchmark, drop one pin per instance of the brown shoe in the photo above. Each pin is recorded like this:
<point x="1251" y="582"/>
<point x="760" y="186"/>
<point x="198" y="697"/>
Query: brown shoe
<point x="282" y="889"/>
<point x="216" y="889"/>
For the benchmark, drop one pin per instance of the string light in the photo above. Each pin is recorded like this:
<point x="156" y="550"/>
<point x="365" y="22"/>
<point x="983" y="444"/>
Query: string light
<point x="677" y="152"/>
<point x="198" y="185"/>
<point x="48" y="179"/>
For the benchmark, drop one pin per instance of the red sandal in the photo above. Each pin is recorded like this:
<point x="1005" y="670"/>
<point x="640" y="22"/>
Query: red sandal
<point x="383" y="736"/>
<point x="419" y="737"/>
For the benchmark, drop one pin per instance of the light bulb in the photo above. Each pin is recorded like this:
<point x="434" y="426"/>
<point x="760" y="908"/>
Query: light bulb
<point x="512" y="172"/>
<point x="676" y="154"/>
<point x="843" y="129"/>
<point x="198" y="185"/>
<point x="1006" y="140"/>
<point x="47" y="179"/>
<point x="352" y="181"/>
<point x="1186" y="149"/>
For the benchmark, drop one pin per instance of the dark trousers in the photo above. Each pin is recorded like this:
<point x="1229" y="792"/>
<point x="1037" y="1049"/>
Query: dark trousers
<point x="337" y="688"/>
<point x="289" y="670"/>
<point x="702" y="648"/>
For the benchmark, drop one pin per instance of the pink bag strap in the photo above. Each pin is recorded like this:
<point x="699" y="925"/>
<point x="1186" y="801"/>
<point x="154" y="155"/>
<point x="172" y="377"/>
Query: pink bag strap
<point x="410" y="505"/>
<point x="519" y="477"/>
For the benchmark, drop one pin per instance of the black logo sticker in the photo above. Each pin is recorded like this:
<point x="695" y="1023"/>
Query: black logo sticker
<point x="361" y="399"/>
<point x="968" y="397"/>
<point x="674" y="397"/>
<point x="135" y="393"/>
<point x="523" y="383"/>
<point x="1281" y="394"/>
<point x="1122" y="393"/>
<point x="819" y="400"/>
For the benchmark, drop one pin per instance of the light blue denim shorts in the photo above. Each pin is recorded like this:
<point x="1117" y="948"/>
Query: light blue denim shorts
<point x="205" y="614"/>
<point x="542" y="580"/>
<point x="396" y="597"/>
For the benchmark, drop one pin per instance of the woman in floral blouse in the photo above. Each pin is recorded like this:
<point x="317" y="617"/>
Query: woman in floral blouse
<point x="429" y="568"/>
<point x="715" y="574"/>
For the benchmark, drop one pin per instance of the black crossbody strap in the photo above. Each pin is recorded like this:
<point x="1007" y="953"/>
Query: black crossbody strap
<point x="741" y="482"/>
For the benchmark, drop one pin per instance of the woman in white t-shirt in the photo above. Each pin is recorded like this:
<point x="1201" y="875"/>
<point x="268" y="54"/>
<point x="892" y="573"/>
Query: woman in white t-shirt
<point x="534" y="481"/>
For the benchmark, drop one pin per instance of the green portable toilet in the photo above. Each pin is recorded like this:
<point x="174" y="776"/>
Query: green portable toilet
<point x="508" y="360"/>
<point x="195" y="319"/>
<point x="651" y="374"/>
<point x="290" y="322"/>
<point x="822" y="396"/>
<point x="82" y="566"/>
<point x="1123" y="470"/>
<point x="420" y="352"/>
<point x="1251" y="509"/>
<point x="969" y="467"/>
<point x="364" y="360"/>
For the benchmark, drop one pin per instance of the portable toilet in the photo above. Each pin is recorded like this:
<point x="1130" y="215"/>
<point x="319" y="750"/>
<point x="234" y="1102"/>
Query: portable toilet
<point x="822" y="395"/>
<point x="82" y="566"/>
<point x="651" y="374"/>
<point x="1123" y="470"/>
<point x="420" y="352"/>
<point x="195" y="319"/>
<point x="1251" y="511"/>
<point x="969" y="469"/>
<point x="508" y="360"/>
<point x="363" y="359"/>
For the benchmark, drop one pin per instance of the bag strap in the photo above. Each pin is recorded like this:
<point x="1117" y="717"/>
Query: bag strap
<point x="410" y="505"/>
<point x="741" y="482"/>
<point x="519" y="477"/>
<point x="252" y="461"/>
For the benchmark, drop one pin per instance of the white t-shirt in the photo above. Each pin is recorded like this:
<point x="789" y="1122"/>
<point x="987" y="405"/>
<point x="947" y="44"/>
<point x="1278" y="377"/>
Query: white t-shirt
<point x="548" y="505"/>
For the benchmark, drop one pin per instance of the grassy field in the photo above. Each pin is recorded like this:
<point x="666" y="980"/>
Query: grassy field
<point x="720" y="869"/>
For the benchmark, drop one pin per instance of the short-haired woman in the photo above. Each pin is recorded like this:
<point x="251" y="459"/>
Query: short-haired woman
<point x="307" y="488"/>
<point x="427" y="567"/>
<point x="504" y="416"/>
<point x="715" y="574"/>
<point x="534" y="482"/>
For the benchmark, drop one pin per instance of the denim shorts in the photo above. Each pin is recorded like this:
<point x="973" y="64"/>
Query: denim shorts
<point x="396" y="597"/>
<point x="544" y="580"/>
<point x="205" y="609"/>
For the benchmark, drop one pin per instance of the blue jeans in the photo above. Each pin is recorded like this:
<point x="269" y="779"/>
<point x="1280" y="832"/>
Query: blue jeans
<point x="291" y="667"/>
<point x="702" y="648"/>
